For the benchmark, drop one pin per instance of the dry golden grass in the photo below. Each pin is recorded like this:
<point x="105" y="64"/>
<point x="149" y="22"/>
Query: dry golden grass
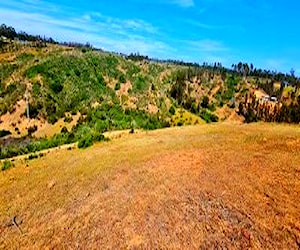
<point x="207" y="186"/>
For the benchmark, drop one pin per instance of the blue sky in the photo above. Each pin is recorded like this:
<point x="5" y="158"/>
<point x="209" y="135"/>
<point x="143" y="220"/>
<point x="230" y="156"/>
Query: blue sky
<point x="263" y="32"/>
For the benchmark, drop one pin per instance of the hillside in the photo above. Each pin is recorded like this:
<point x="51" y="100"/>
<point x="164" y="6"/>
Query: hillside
<point x="62" y="79"/>
<point x="206" y="186"/>
<point x="90" y="92"/>
<point x="75" y="94"/>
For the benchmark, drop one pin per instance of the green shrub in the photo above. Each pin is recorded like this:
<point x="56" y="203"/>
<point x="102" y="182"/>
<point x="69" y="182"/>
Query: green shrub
<point x="180" y="123"/>
<point x="212" y="107"/>
<point x="85" y="142"/>
<point x="24" y="57"/>
<point x="208" y="117"/>
<point x="97" y="137"/>
<point x="172" y="110"/>
<point x="32" y="129"/>
<point x="7" y="165"/>
<point x="122" y="78"/>
<point x="33" y="156"/>
<point x="6" y="69"/>
<point x="194" y="108"/>
<point x="9" y="96"/>
<point x="205" y="102"/>
<point x="64" y="79"/>
<point x="56" y="87"/>
<point x="118" y="86"/>
<point x="64" y="130"/>
<point x="139" y="85"/>
<point x="4" y="133"/>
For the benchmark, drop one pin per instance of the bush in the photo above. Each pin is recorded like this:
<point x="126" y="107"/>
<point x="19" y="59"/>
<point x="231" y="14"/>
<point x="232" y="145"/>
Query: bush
<point x="25" y="57"/>
<point x="64" y="130"/>
<point x="85" y="142"/>
<point x="118" y="86"/>
<point x="139" y="85"/>
<point x="212" y="107"/>
<point x="194" y="108"/>
<point x="64" y="78"/>
<point x="205" y="102"/>
<point x="56" y="87"/>
<point x="180" y="123"/>
<point x="208" y="117"/>
<point x="122" y="78"/>
<point x="98" y="137"/>
<point x="33" y="156"/>
<point x="172" y="110"/>
<point x="4" y="133"/>
<point x="7" y="165"/>
<point x="32" y="129"/>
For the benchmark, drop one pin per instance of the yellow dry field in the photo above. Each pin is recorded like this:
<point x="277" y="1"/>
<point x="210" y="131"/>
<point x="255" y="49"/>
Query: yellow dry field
<point x="207" y="186"/>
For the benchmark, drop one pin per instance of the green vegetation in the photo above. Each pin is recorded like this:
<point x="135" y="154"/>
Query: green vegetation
<point x="9" y="96"/>
<point x="106" y="118"/>
<point x="6" y="165"/>
<point x="6" y="70"/>
<point x="25" y="57"/>
<point x="4" y="133"/>
<point x="87" y="131"/>
<point x="208" y="116"/>
<point x="71" y="83"/>
<point x="31" y="145"/>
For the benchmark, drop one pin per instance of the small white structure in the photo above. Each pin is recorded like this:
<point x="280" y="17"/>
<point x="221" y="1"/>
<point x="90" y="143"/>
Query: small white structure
<point x="265" y="98"/>
<point x="273" y="99"/>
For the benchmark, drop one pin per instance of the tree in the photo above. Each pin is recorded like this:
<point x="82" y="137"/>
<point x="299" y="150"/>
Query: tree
<point x="251" y="67"/>
<point x="292" y="71"/>
<point x="7" y="31"/>
<point x="205" y="102"/>
<point x="246" y="70"/>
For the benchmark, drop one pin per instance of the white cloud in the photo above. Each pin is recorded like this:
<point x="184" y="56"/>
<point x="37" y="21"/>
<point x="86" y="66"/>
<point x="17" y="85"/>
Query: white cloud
<point x="108" y="33"/>
<point x="199" y="24"/>
<point x="205" y="50"/>
<point x="207" y="45"/>
<point x="181" y="3"/>
<point x="34" y="5"/>
<point x="184" y="3"/>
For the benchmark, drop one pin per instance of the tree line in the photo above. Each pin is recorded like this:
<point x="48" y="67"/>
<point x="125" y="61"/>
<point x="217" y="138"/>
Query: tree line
<point x="10" y="33"/>
<point x="254" y="110"/>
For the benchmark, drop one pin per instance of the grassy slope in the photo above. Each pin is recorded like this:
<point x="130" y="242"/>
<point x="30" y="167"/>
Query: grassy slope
<point x="63" y="80"/>
<point x="210" y="185"/>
